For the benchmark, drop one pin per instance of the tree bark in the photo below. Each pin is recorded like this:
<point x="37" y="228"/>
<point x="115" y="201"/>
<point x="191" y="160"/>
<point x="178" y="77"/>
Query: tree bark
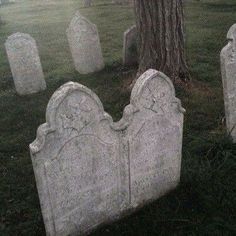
<point x="161" y="37"/>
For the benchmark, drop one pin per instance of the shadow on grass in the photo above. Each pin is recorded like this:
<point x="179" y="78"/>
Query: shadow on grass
<point x="203" y="204"/>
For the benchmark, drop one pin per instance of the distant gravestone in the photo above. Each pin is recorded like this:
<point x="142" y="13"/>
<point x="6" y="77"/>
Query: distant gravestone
<point x="25" y="64"/>
<point x="228" y="70"/>
<point x="91" y="171"/>
<point x="85" y="45"/>
<point x="126" y="2"/>
<point x="130" y="52"/>
<point x="87" y="3"/>
<point x="2" y="2"/>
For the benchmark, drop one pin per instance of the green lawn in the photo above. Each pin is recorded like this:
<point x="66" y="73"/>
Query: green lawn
<point x="205" y="201"/>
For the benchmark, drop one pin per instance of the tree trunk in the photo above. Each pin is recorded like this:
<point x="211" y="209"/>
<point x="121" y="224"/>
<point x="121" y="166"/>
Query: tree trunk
<point x="161" y="37"/>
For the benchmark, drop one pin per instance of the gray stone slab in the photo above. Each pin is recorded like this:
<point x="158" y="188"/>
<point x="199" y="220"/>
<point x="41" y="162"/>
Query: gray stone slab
<point x="90" y="170"/>
<point x="25" y="64"/>
<point x="155" y="138"/>
<point x="228" y="70"/>
<point x="130" y="51"/>
<point x="85" y="45"/>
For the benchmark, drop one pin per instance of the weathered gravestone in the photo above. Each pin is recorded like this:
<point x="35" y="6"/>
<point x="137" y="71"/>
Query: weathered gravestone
<point x="85" y="45"/>
<point x="25" y="64"/>
<point x="228" y="70"/>
<point x="130" y="50"/>
<point x="91" y="171"/>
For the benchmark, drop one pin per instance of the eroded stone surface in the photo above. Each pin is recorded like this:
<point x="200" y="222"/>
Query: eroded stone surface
<point x="228" y="70"/>
<point x="90" y="170"/>
<point x="130" y="54"/>
<point x="85" y="45"/>
<point x="155" y="138"/>
<point x="25" y="64"/>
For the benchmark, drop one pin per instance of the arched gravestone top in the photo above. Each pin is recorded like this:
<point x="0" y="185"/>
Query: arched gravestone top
<point x="25" y="63"/>
<point x="228" y="71"/>
<point x="52" y="111"/>
<point x="90" y="170"/>
<point x="12" y="39"/>
<point x="231" y="35"/>
<point x="85" y="45"/>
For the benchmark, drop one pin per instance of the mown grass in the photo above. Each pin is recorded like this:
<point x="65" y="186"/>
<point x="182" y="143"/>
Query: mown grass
<point x="205" y="201"/>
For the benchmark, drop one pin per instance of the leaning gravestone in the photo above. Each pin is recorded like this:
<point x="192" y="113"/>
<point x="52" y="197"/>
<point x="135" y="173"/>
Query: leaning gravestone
<point x="25" y="64"/>
<point x="91" y="171"/>
<point x="85" y="45"/>
<point x="130" y="52"/>
<point x="228" y="70"/>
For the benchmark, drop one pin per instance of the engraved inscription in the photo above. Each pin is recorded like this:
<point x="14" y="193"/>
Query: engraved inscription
<point x="156" y="126"/>
<point x="77" y="187"/>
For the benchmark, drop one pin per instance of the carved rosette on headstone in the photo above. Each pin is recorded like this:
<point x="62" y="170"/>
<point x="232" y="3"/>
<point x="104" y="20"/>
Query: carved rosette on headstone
<point x="130" y="50"/>
<point x="85" y="45"/>
<point x="25" y="64"/>
<point x="228" y="71"/>
<point x="91" y="171"/>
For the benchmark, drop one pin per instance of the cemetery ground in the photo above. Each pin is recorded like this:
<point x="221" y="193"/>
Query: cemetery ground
<point x="205" y="201"/>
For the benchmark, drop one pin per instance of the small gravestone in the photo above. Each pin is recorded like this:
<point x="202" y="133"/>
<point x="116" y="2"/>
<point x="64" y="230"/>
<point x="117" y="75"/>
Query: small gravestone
<point x="130" y="52"/>
<point x="2" y="2"/>
<point x="228" y="70"/>
<point x="87" y="3"/>
<point x="25" y="64"/>
<point x="124" y="2"/>
<point x="85" y="45"/>
<point x="90" y="171"/>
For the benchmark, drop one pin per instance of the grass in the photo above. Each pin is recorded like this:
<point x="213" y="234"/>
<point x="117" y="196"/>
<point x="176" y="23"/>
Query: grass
<point x="205" y="201"/>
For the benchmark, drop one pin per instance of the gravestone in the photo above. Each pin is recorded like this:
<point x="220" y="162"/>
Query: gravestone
<point x="2" y="2"/>
<point x="85" y="45"/>
<point x="228" y="70"/>
<point x="130" y="52"/>
<point x="126" y="2"/>
<point x="90" y="171"/>
<point x="87" y="3"/>
<point x="25" y="64"/>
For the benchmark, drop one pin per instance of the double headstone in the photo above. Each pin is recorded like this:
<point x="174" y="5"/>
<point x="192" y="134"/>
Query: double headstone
<point x="228" y="70"/>
<point x="85" y="45"/>
<point x="25" y="64"/>
<point x="90" y="171"/>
